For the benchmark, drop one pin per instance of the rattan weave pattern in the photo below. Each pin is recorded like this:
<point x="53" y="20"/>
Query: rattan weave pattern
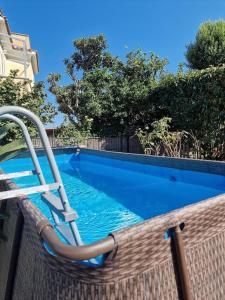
<point x="53" y="278"/>
<point x="143" y="266"/>
<point x="206" y="266"/>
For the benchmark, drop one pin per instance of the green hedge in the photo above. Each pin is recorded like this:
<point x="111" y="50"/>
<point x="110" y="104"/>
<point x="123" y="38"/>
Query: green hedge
<point x="196" y="103"/>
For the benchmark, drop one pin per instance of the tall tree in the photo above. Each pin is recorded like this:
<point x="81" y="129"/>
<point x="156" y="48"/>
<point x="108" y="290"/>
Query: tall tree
<point x="208" y="49"/>
<point x="106" y="90"/>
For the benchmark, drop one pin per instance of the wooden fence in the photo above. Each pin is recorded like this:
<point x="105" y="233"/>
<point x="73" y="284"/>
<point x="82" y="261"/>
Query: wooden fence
<point x="54" y="142"/>
<point x="118" y="144"/>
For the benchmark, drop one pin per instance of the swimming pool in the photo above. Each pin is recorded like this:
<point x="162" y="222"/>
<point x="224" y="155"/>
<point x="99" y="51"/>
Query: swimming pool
<point x="110" y="193"/>
<point x="164" y="237"/>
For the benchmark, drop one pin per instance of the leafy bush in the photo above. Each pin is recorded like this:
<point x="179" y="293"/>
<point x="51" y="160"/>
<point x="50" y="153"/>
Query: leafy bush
<point x="208" y="48"/>
<point x="195" y="102"/>
<point x="161" y="141"/>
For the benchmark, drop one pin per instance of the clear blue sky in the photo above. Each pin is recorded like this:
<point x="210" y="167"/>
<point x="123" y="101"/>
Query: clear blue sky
<point x="161" y="26"/>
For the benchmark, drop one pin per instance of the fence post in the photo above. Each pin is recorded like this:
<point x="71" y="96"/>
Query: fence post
<point x="128" y="143"/>
<point x="121" y="143"/>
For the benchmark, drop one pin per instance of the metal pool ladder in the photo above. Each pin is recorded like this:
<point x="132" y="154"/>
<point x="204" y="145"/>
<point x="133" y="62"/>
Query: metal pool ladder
<point x="63" y="215"/>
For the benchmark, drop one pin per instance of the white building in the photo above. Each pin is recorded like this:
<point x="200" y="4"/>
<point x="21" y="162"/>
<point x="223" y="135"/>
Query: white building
<point x="16" y="53"/>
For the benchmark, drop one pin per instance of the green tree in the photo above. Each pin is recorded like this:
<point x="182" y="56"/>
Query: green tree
<point x="16" y="93"/>
<point x="111" y="92"/>
<point x="208" y="49"/>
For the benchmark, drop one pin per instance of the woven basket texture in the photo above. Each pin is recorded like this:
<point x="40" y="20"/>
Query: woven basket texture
<point x="141" y="266"/>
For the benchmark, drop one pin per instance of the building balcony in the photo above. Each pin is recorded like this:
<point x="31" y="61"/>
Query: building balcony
<point x="16" y="54"/>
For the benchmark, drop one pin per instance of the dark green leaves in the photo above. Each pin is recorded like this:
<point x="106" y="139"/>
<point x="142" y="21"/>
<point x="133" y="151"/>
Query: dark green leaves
<point x="208" y="49"/>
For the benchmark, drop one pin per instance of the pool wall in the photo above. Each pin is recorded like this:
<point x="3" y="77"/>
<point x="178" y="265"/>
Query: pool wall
<point x="143" y="264"/>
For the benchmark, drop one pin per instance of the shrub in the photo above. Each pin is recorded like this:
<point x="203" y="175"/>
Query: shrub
<point x="195" y="102"/>
<point x="161" y="141"/>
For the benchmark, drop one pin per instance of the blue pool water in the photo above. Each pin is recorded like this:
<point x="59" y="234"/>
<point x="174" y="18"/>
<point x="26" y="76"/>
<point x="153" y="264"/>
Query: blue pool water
<point x="111" y="194"/>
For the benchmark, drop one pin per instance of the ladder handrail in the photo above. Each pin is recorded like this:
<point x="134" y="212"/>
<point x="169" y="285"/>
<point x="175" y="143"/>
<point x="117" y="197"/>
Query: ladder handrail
<point x="16" y="110"/>
<point x="30" y="146"/>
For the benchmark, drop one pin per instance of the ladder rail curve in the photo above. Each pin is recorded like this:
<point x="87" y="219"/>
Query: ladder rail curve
<point x="30" y="146"/>
<point x="16" y="110"/>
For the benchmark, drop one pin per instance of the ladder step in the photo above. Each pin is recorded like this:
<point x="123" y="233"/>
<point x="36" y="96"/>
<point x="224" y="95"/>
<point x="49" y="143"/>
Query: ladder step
<point x="28" y="191"/>
<point x="17" y="174"/>
<point x="66" y="232"/>
<point x="55" y="204"/>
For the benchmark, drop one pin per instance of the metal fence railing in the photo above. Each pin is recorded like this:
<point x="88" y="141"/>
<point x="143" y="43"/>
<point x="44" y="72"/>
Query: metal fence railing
<point x="118" y="144"/>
